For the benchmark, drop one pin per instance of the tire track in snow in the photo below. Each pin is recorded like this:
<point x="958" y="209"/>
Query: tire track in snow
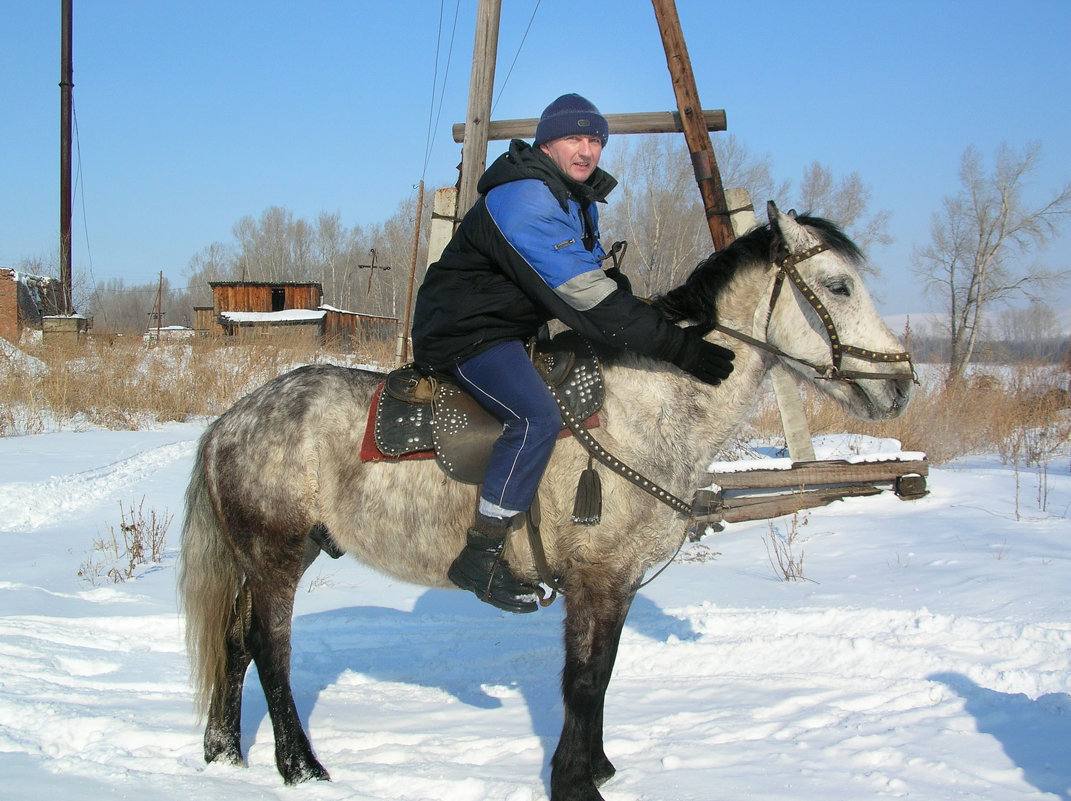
<point x="26" y="506"/>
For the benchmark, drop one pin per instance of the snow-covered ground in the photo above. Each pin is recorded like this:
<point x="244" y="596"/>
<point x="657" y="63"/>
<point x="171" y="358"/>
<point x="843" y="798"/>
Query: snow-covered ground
<point x="926" y="656"/>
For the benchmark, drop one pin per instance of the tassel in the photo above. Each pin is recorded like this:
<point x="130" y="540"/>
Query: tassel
<point x="587" y="508"/>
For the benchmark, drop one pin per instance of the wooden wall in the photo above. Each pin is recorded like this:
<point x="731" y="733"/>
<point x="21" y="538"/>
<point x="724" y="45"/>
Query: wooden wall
<point x="251" y="297"/>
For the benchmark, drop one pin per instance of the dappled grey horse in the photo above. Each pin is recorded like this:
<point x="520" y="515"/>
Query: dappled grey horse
<point x="284" y="461"/>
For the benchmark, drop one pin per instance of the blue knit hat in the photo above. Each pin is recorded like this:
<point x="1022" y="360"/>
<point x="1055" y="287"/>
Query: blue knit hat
<point x="570" y="115"/>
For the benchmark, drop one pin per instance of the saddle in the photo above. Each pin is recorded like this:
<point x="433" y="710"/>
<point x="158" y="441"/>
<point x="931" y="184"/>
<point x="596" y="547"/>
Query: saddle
<point x="420" y="415"/>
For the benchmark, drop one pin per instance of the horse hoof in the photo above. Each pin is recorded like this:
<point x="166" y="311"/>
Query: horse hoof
<point x="223" y="754"/>
<point x="602" y="771"/>
<point x="313" y="772"/>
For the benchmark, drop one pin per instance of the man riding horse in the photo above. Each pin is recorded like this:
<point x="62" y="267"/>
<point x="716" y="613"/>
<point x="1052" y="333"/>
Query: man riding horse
<point x="528" y="251"/>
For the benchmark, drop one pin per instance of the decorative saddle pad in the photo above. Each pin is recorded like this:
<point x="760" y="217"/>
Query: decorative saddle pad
<point x="418" y="416"/>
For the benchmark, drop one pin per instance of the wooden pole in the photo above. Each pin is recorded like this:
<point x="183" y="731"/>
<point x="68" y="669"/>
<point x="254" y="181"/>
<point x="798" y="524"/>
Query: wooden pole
<point x="481" y="87"/>
<point x="401" y="353"/>
<point x="66" y="85"/>
<point x="159" y="310"/>
<point x="695" y="133"/>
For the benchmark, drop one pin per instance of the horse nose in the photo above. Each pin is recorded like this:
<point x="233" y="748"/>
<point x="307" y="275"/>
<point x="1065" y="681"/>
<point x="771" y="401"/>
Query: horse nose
<point x="901" y="392"/>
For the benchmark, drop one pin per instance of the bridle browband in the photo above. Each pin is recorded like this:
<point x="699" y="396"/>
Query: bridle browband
<point x="786" y="268"/>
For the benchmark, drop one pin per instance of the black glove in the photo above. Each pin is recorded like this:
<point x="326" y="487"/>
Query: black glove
<point x="706" y="361"/>
<point x="620" y="279"/>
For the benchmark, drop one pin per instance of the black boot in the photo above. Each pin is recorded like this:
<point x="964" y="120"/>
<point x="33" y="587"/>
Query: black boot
<point x="481" y="569"/>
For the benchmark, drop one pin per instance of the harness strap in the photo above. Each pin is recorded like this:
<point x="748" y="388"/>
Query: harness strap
<point x="599" y="452"/>
<point x="699" y="510"/>
<point x="535" y="542"/>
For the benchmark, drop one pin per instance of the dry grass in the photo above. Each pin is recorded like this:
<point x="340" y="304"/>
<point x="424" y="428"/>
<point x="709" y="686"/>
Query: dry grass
<point x="121" y="383"/>
<point x="986" y="413"/>
<point x="143" y="539"/>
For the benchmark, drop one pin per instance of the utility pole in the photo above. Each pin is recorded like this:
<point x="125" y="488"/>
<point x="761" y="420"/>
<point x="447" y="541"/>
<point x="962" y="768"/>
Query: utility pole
<point x="66" y="85"/>
<point x="478" y="116"/>
<point x="707" y="176"/>
<point x="704" y="164"/>
<point x="401" y="353"/>
<point x="157" y="312"/>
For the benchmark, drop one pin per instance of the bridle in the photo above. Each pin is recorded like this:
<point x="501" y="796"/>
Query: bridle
<point x="786" y="268"/>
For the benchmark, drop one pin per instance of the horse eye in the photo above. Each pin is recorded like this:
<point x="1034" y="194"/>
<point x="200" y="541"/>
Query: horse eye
<point x="840" y="287"/>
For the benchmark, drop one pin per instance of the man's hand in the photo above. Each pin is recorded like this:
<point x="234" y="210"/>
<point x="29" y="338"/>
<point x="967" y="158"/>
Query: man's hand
<point x="706" y="361"/>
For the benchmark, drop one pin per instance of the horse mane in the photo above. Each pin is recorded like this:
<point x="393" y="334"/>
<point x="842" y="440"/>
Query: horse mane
<point x="696" y="299"/>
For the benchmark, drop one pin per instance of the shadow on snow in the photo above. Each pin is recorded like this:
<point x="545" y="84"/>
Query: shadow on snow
<point x="449" y="642"/>
<point x="1035" y="734"/>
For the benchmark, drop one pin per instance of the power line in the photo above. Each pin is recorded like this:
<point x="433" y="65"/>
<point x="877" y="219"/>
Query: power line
<point x="432" y="111"/>
<point x="516" y="55"/>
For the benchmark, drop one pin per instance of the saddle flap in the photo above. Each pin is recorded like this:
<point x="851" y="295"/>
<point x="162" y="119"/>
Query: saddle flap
<point x="568" y="364"/>
<point x="402" y="427"/>
<point x="464" y="434"/>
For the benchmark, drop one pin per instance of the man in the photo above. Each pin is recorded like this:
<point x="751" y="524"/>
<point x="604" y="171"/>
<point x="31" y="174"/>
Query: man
<point x="528" y="251"/>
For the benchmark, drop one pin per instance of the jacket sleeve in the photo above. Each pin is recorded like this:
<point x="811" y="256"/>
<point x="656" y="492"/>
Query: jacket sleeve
<point x="541" y="249"/>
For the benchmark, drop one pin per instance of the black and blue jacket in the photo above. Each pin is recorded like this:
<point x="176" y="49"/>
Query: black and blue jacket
<point x="528" y="251"/>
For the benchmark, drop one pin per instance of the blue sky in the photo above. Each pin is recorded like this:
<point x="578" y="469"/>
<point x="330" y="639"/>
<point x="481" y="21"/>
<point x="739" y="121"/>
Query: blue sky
<point x="194" y="114"/>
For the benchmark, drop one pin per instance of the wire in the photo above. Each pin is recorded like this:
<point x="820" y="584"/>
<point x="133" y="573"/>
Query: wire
<point x="432" y="111"/>
<point x="502" y="87"/>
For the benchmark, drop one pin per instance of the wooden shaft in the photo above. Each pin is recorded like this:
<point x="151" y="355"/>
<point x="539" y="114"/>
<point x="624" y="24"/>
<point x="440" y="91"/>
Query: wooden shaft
<point x="703" y="162"/>
<point x="643" y="123"/>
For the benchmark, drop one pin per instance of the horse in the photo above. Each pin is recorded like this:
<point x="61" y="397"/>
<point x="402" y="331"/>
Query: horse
<point x="282" y="464"/>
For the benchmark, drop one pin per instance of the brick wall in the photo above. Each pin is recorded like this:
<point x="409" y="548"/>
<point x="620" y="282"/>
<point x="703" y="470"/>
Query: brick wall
<point x="9" y="306"/>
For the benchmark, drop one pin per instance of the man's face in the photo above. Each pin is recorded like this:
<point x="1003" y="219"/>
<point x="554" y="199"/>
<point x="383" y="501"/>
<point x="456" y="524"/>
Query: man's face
<point x="577" y="156"/>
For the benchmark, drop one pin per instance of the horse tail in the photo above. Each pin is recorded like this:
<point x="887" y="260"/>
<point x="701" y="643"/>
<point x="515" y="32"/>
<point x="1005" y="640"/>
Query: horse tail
<point x="209" y="579"/>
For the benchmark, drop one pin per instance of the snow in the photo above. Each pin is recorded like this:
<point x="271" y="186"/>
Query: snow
<point x="845" y="449"/>
<point x="284" y="316"/>
<point x="926" y="656"/>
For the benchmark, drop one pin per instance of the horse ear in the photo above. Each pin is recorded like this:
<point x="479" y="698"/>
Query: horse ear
<point x="794" y="236"/>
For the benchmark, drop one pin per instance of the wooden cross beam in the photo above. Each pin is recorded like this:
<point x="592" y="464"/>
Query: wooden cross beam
<point x="645" y="123"/>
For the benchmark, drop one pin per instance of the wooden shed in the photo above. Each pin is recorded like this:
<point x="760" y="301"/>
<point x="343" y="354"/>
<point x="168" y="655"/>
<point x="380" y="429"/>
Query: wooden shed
<point x="234" y="301"/>
<point x="249" y="296"/>
<point x="346" y="328"/>
<point x="245" y="307"/>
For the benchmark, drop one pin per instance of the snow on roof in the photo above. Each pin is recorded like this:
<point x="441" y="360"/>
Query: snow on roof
<point x="285" y="316"/>
<point x="326" y="307"/>
<point x="40" y="281"/>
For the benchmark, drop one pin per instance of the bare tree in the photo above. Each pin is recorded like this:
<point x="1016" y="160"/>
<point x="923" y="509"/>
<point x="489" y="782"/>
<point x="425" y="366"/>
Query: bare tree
<point x="845" y="202"/>
<point x="657" y="207"/>
<point x="117" y="307"/>
<point x="980" y="241"/>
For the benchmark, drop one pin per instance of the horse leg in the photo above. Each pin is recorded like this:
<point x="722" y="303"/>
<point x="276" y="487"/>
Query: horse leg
<point x="268" y="641"/>
<point x="223" y="732"/>
<point x="595" y="616"/>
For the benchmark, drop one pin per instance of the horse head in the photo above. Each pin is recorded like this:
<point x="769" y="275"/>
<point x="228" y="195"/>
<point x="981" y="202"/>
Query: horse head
<point x="822" y="322"/>
<point x="792" y="290"/>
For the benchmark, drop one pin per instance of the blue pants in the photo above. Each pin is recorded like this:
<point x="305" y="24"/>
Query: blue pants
<point x="504" y="381"/>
